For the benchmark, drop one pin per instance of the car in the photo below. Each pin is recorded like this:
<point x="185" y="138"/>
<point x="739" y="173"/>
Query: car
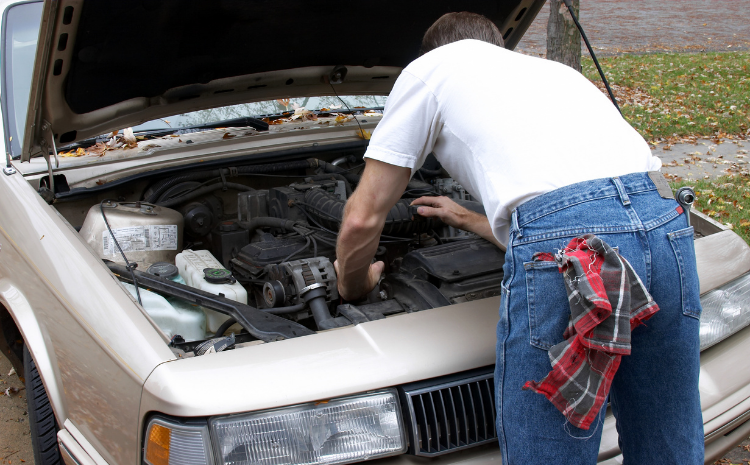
<point x="175" y="175"/>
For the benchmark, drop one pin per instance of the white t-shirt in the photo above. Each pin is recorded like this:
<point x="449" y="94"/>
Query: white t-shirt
<point x="506" y="126"/>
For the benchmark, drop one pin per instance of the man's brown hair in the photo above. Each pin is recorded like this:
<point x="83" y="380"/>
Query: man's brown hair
<point x="452" y="27"/>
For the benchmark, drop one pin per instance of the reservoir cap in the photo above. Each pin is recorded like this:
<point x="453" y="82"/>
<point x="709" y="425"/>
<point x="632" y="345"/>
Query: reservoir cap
<point x="163" y="269"/>
<point x="218" y="276"/>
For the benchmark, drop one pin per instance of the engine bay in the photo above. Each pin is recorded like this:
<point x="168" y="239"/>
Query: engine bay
<point x="241" y="253"/>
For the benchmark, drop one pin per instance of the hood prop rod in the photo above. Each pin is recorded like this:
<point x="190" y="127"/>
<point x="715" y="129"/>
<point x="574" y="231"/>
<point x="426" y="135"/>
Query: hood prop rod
<point x="593" y="56"/>
<point x="47" y="130"/>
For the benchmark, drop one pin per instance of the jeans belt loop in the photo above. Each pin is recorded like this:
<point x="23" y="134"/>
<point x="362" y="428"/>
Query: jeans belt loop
<point x="514" y="223"/>
<point x="621" y="190"/>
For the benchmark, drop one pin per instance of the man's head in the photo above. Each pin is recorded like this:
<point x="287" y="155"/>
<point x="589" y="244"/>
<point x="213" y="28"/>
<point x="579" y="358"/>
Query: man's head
<point x="452" y="27"/>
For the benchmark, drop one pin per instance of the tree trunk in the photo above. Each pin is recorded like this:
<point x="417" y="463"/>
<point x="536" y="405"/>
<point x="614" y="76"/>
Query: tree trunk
<point x="563" y="38"/>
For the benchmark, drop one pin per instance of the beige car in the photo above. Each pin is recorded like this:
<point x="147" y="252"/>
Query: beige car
<point x="175" y="175"/>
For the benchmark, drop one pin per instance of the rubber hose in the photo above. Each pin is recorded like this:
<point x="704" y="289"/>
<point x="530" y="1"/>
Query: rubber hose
<point x="203" y="191"/>
<point x="155" y="191"/>
<point x="430" y="173"/>
<point x="328" y="210"/>
<point x="329" y="168"/>
<point x="268" y="222"/>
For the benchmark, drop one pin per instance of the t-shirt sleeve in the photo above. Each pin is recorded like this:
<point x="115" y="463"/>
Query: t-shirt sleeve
<point x="410" y="125"/>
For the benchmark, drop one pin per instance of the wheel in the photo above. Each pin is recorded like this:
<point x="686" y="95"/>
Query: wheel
<point x="41" y="417"/>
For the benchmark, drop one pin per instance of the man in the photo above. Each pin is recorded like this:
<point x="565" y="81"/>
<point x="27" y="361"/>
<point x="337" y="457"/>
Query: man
<point x="551" y="159"/>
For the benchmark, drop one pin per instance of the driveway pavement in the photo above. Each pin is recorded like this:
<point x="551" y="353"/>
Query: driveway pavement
<point x="642" y="26"/>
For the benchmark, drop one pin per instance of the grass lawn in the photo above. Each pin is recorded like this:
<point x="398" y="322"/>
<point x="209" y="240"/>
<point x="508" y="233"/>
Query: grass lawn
<point x="674" y="95"/>
<point x="680" y="96"/>
<point x="725" y="199"/>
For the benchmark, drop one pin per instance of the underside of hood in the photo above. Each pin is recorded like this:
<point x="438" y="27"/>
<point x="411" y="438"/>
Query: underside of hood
<point x="103" y="65"/>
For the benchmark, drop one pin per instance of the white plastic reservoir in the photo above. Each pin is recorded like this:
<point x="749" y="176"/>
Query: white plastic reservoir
<point x="191" y="265"/>
<point x="188" y="322"/>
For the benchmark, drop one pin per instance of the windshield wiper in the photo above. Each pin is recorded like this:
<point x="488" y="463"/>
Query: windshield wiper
<point x="241" y="122"/>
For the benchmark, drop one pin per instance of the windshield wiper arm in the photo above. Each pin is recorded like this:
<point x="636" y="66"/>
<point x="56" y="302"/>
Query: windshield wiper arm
<point x="241" y="122"/>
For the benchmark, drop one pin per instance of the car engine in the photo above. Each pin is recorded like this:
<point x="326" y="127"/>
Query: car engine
<point x="252" y="254"/>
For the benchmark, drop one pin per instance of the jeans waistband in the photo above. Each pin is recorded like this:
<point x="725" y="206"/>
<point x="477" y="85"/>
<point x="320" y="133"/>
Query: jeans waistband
<point x="618" y="186"/>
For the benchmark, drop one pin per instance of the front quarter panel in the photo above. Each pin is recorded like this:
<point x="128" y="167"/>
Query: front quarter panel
<point x="93" y="345"/>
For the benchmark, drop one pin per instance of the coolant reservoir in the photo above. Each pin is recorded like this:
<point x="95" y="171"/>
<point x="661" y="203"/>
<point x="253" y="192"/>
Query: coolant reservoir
<point x="146" y="233"/>
<point x="202" y="271"/>
<point x="185" y="320"/>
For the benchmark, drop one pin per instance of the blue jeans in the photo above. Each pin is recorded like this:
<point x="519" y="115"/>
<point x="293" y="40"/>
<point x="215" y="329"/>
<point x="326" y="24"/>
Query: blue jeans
<point x="654" y="395"/>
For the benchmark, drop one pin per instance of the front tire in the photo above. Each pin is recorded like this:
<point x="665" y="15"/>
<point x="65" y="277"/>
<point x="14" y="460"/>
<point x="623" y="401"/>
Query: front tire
<point x="41" y="417"/>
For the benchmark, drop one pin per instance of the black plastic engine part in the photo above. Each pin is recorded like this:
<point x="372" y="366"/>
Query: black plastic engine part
<point x="413" y="293"/>
<point x="369" y="312"/>
<point x="455" y="261"/>
<point x="252" y="205"/>
<point x="281" y="202"/>
<point x="271" y="250"/>
<point x="201" y="216"/>
<point x="261" y="325"/>
<point x="227" y="240"/>
<point x="328" y="210"/>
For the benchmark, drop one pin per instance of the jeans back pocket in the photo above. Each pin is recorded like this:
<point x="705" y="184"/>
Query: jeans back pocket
<point x="684" y="250"/>
<point x="548" y="306"/>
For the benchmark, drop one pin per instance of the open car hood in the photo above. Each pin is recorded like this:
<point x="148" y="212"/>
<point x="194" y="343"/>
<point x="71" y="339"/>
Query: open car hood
<point x="104" y="65"/>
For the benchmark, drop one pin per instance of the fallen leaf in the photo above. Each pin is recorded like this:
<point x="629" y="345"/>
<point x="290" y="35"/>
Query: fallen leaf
<point x="228" y="136"/>
<point x="363" y="134"/>
<point x="13" y="390"/>
<point x="129" y="138"/>
<point x="744" y="223"/>
<point x="79" y="152"/>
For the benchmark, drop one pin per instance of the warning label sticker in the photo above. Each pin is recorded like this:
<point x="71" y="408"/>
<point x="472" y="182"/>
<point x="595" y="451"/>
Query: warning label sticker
<point x="141" y="239"/>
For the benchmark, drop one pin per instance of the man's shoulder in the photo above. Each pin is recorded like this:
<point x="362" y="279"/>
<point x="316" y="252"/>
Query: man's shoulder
<point x="461" y="53"/>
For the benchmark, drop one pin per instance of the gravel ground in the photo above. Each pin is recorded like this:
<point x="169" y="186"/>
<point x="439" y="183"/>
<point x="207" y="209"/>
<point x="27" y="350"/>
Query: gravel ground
<point x="15" y="442"/>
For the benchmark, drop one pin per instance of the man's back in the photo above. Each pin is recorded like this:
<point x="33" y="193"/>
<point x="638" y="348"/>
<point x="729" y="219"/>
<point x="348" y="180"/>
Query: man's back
<point x="507" y="126"/>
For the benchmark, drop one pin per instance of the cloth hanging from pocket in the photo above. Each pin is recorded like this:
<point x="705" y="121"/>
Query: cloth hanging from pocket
<point x="607" y="301"/>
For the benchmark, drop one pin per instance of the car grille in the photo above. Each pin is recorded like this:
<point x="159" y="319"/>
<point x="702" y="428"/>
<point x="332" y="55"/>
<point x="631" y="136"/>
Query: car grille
<point x="450" y="414"/>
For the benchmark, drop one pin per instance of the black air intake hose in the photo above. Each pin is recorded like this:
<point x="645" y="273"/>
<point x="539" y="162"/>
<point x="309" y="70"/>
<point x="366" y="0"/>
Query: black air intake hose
<point x="328" y="210"/>
<point x="329" y="168"/>
<point x="153" y="193"/>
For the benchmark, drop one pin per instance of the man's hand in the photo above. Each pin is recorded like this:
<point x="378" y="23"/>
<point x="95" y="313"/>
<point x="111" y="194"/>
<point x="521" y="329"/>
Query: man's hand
<point x="373" y="276"/>
<point x="453" y="214"/>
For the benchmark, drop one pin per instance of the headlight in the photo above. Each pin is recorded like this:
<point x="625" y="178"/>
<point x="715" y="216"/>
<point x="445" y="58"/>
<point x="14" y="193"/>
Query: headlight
<point x="726" y="310"/>
<point x="338" y="431"/>
<point x="170" y="443"/>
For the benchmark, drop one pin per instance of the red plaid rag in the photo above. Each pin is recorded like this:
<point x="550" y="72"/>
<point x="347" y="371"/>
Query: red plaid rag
<point x="607" y="300"/>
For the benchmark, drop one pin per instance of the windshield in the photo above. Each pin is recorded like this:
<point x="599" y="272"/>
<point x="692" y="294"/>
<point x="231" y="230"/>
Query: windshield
<point x="264" y="108"/>
<point x="21" y="26"/>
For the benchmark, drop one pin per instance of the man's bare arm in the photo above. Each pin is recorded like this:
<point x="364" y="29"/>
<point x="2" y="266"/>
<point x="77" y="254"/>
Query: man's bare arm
<point x="457" y="216"/>
<point x="380" y="188"/>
